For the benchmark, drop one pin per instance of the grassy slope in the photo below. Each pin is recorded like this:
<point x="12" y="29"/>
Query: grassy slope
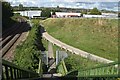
<point x="97" y="36"/>
<point x="74" y="62"/>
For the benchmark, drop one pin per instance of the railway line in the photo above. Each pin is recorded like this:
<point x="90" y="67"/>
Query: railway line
<point x="10" y="37"/>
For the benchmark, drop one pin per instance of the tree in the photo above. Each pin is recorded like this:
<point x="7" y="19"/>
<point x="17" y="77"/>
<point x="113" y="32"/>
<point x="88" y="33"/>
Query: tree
<point x="7" y="13"/>
<point x="46" y="13"/>
<point x="118" y="14"/>
<point x="95" y="11"/>
<point x="57" y="6"/>
<point x="20" y="7"/>
<point x="53" y="13"/>
<point x="83" y="12"/>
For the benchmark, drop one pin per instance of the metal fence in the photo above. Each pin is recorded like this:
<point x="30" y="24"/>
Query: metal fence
<point x="11" y="71"/>
<point x="109" y="70"/>
<point x="62" y="68"/>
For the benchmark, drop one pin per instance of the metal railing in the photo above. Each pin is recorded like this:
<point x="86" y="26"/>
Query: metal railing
<point x="13" y="72"/>
<point x="40" y="71"/>
<point x="108" y="70"/>
<point x="62" y="68"/>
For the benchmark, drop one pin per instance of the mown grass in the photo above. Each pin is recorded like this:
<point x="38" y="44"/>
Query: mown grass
<point x="96" y="36"/>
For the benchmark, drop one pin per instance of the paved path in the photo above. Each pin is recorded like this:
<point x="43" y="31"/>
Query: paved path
<point x="74" y="50"/>
<point x="50" y="50"/>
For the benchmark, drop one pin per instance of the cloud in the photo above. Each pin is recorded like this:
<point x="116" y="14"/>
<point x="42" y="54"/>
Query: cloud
<point x="66" y="3"/>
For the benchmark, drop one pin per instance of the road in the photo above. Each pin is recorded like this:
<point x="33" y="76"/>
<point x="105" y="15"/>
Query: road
<point x="75" y="50"/>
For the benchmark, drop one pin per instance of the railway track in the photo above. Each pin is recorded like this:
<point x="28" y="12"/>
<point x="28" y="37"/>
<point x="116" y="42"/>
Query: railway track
<point x="10" y="38"/>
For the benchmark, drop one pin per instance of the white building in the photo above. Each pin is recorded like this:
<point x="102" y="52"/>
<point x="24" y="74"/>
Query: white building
<point x="30" y="14"/>
<point x="67" y="14"/>
<point x="103" y="15"/>
<point x="111" y="15"/>
<point x="93" y="16"/>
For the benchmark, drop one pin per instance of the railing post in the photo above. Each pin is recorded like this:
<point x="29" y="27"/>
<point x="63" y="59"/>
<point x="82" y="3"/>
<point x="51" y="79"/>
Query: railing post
<point x="11" y="72"/>
<point x="6" y="73"/>
<point x="15" y="73"/>
<point x="20" y="74"/>
<point x="3" y="74"/>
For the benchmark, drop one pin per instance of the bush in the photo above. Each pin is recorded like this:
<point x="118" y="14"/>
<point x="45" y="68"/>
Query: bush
<point x="27" y="55"/>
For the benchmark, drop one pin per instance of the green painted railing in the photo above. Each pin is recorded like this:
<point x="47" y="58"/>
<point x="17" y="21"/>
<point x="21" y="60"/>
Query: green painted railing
<point x="13" y="72"/>
<point x="40" y="71"/>
<point x="108" y="70"/>
<point x="73" y="73"/>
<point x="62" y="68"/>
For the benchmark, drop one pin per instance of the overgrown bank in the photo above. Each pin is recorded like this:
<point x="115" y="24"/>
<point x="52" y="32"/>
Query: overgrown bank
<point x="28" y="53"/>
<point x="96" y="36"/>
<point x="75" y="62"/>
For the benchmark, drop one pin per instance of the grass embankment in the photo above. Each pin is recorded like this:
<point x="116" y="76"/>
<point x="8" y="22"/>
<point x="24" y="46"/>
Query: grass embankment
<point x="96" y="36"/>
<point x="75" y="62"/>
<point x="27" y="54"/>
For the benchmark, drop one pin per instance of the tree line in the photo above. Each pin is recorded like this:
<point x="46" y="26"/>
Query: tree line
<point x="7" y="13"/>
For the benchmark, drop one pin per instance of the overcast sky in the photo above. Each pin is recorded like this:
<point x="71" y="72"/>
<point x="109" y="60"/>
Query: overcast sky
<point x="109" y="5"/>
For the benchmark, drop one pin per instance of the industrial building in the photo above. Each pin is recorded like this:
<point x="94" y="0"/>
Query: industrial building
<point x="31" y="14"/>
<point x="66" y="14"/>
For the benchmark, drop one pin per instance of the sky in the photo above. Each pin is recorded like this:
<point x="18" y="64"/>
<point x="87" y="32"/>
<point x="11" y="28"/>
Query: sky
<point x="87" y="4"/>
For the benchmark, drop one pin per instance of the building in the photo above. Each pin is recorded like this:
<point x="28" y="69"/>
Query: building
<point x="104" y="15"/>
<point x="31" y="14"/>
<point x="110" y="15"/>
<point x="93" y="16"/>
<point x="66" y="14"/>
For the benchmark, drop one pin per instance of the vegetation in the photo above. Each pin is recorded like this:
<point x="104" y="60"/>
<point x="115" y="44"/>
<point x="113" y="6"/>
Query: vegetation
<point x="28" y="53"/>
<point x="7" y="13"/>
<point x="21" y="7"/>
<point x="95" y="11"/>
<point x="100" y="37"/>
<point x="75" y="62"/>
<point x="46" y="13"/>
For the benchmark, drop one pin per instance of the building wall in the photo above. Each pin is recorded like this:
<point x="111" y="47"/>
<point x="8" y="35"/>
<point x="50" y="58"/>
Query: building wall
<point x="66" y="14"/>
<point x="29" y="13"/>
<point x="104" y="15"/>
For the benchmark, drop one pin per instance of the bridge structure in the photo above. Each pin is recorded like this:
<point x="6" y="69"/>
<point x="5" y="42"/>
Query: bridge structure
<point x="110" y="71"/>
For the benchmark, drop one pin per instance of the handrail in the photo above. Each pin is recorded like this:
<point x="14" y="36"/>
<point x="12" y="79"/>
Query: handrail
<point x="64" y="69"/>
<point x="73" y="73"/>
<point x="11" y="71"/>
<point x="40" y="68"/>
<point x="108" y="70"/>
